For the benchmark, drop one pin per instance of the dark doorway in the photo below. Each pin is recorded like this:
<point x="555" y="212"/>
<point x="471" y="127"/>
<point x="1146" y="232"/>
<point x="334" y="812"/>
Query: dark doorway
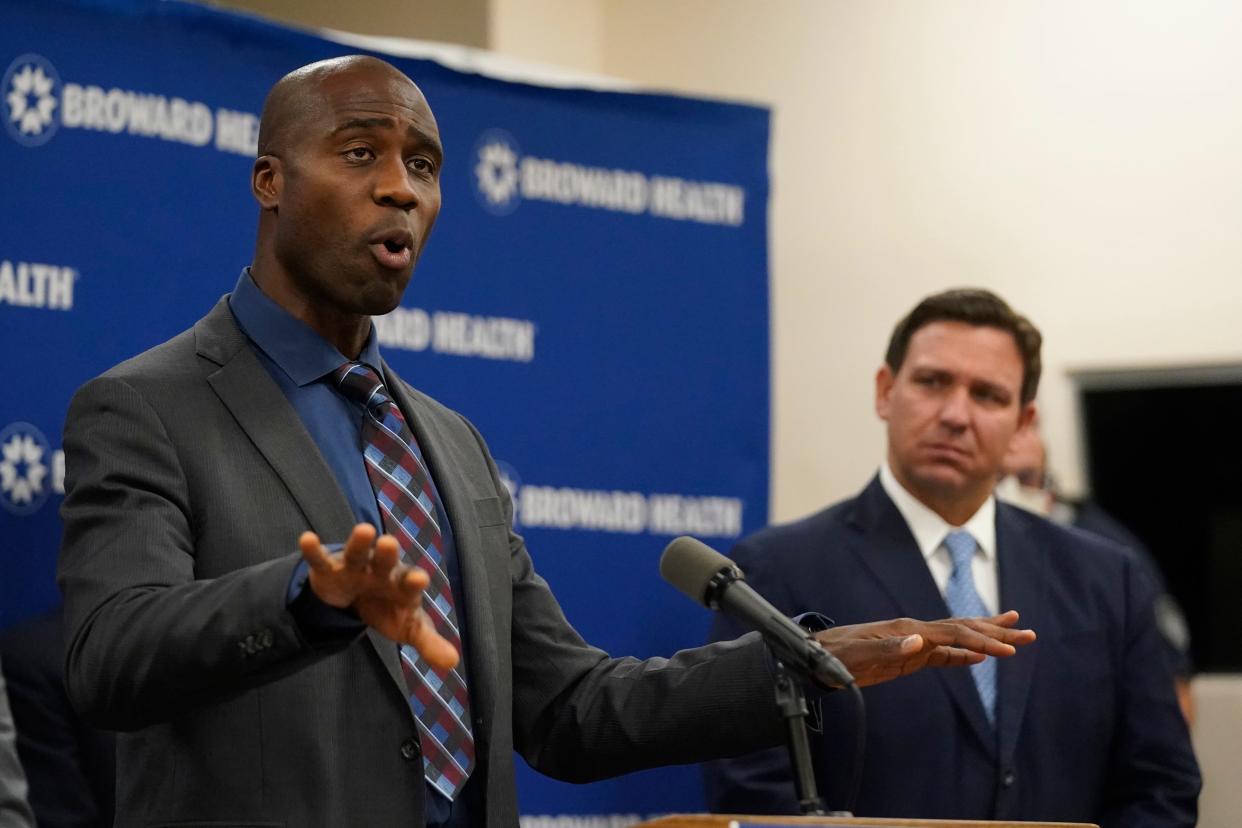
<point x="1164" y="456"/>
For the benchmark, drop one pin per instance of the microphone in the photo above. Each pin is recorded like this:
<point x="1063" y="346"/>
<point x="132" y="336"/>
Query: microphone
<point x="709" y="578"/>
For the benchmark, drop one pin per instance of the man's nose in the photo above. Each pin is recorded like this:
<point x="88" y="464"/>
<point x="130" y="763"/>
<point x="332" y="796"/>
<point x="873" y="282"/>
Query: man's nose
<point x="392" y="185"/>
<point x="955" y="412"/>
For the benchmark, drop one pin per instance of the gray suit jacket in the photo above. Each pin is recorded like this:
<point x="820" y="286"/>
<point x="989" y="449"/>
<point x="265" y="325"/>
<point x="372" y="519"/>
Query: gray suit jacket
<point x="188" y="480"/>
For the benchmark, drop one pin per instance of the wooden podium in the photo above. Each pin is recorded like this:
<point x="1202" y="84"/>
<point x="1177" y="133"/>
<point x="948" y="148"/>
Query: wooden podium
<point x="725" y="820"/>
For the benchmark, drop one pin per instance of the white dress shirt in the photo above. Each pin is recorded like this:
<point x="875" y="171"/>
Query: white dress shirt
<point x="929" y="530"/>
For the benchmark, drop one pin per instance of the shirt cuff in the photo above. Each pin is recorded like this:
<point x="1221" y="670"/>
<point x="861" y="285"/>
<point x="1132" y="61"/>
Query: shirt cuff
<point x="813" y="622"/>
<point x="321" y="623"/>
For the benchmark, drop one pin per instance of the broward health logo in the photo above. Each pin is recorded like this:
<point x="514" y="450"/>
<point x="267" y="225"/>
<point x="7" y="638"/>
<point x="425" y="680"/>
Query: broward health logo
<point x="496" y="172"/>
<point x="24" y="458"/>
<point x="37" y="103"/>
<point x="504" y="177"/>
<point x="30" y="87"/>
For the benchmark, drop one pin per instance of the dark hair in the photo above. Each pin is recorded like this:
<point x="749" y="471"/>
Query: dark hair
<point x="973" y="306"/>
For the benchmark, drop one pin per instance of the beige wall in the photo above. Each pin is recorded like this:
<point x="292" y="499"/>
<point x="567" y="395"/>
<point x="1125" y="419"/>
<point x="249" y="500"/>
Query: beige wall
<point x="465" y="22"/>
<point x="563" y="32"/>
<point x="1079" y="158"/>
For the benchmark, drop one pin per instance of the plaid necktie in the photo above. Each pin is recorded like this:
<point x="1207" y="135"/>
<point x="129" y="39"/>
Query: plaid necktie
<point x="964" y="602"/>
<point x="408" y="507"/>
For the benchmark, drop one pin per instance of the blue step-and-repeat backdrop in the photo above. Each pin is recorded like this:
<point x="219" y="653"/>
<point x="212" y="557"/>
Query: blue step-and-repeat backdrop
<point x="594" y="297"/>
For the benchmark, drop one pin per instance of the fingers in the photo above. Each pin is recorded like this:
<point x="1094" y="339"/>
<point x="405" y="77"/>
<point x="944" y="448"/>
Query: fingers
<point x="953" y="657"/>
<point x="992" y="636"/>
<point x="357" y="551"/>
<point x="1005" y="619"/>
<point x="1002" y="626"/>
<point x="406" y="582"/>
<point x="367" y="574"/>
<point x="432" y="646"/>
<point x="410" y="584"/>
<point x="313" y="552"/>
<point x="340" y="574"/>
<point x="385" y="556"/>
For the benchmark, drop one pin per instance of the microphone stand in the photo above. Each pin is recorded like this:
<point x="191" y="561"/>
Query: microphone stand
<point x="791" y="701"/>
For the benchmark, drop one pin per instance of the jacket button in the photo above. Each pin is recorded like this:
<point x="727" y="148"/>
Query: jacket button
<point x="409" y="750"/>
<point x="1007" y="779"/>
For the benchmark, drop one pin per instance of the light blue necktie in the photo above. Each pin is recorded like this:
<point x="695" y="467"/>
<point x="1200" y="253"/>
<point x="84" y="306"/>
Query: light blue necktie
<point x="964" y="602"/>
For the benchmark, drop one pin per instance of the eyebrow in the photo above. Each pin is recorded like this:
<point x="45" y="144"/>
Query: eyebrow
<point x="385" y="122"/>
<point x="992" y="387"/>
<point x="975" y="382"/>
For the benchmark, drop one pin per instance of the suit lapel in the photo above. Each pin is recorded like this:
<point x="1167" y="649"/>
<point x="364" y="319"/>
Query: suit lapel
<point x="270" y="421"/>
<point x="889" y="550"/>
<point x="1023" y="581"/>
<point x="439" y="450"/>
<point x="891" y="553"/>
<point x="254" y="399"/>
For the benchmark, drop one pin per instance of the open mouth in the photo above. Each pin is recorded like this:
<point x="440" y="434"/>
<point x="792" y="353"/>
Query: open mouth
<point x="393" y="250"/>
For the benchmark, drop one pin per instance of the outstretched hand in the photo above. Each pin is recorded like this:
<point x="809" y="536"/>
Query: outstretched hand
<point x="368" y="576"/>
<point x="884" y="650"/>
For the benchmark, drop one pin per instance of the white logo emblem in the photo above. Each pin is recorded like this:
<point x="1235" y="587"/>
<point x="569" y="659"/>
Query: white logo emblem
<point x="496" y="172"/>
<point x="29" y="87"/>
<point x="24" y="454"/>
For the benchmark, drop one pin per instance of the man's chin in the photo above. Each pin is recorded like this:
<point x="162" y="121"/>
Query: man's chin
<point x="943" y="480"/>
<point x="379" y="299"/>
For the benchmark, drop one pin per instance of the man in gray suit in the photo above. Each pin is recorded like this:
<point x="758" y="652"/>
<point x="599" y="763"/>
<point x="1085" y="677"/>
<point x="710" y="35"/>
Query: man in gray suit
<point x="256" y="685"/>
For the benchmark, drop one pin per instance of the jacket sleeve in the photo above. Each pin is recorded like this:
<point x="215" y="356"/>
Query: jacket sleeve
<point x="580" y="715"/>
<point x="146" y="638"/>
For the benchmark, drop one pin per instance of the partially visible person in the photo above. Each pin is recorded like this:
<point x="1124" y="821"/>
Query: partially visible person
<point x="1027" y="482"/>
<point x="70" y="765"/>
<point x="14" y="810"/>
<point x="1083" y="725"/>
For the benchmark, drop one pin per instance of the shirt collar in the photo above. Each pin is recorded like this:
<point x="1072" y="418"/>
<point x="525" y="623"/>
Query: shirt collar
<point x="300" y="352"/>
<point x="929" y="528"/>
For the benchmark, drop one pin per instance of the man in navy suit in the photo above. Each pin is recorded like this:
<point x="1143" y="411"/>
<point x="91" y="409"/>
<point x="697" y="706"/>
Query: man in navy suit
<point x="1081" y="726"/>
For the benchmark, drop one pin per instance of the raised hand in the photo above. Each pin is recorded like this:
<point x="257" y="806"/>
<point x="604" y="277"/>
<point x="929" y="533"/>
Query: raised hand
<point x="368" y="576"/>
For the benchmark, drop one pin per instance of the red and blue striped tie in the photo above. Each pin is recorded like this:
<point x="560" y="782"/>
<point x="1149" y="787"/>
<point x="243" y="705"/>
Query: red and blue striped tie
<point x="408" y="507"/>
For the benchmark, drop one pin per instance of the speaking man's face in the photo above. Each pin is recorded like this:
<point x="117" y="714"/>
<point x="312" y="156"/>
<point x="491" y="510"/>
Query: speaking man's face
<point x="951" y="410"/>
<point x="359" y="191"/>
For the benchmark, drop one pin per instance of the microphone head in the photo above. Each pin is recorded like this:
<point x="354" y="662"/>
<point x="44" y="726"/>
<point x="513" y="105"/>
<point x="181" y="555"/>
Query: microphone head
<point x="691" y="566"/>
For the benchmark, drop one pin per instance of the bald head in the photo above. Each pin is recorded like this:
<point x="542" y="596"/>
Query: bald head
<point x="348" y="185"/>
<point x="298" y="99"/>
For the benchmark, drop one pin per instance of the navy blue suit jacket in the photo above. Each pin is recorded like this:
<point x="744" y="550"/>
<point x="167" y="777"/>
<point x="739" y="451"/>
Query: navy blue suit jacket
<point x="1087" y="726"/>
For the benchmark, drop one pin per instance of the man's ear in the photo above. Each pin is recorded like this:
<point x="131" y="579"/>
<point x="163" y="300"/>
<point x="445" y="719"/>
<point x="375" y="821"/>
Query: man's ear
<point x="883" y="390"/>
<point x="1027" y="416"/>
<point x="266" y="181"/>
